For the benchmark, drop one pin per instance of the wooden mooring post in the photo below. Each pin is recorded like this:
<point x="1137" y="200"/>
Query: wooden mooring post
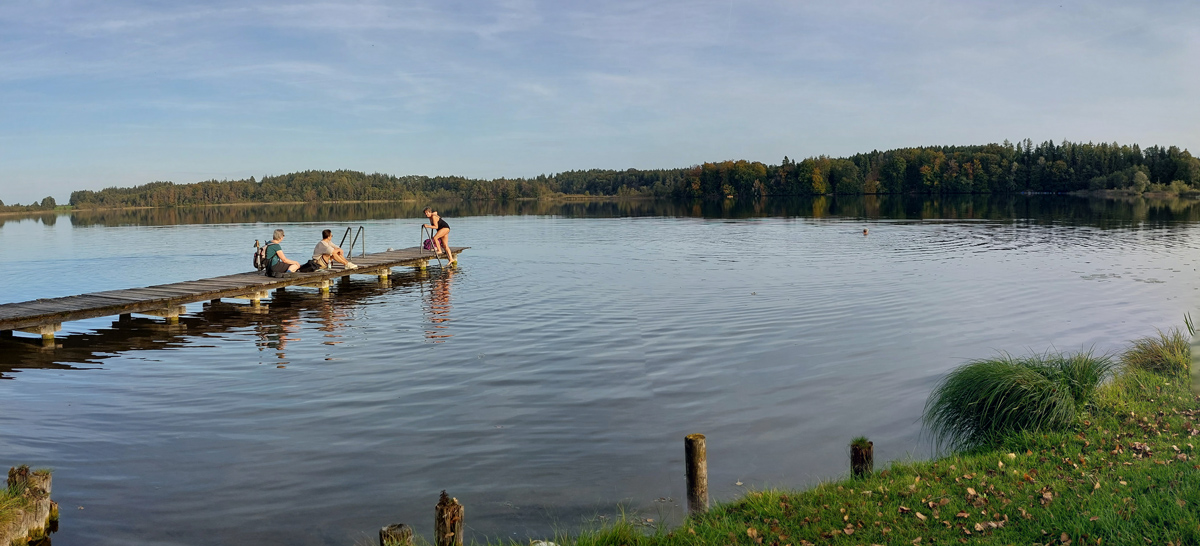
<point x="862" y="457"/>
<point x="448" y="524"/>
<point x="397" y="534"/>
<point x="696" y="461"/>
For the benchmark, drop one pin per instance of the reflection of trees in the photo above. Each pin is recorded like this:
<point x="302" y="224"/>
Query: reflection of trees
<point x="274" y="324"/>
<point x="1104" y="212"/>
<point x="437" y="306"/>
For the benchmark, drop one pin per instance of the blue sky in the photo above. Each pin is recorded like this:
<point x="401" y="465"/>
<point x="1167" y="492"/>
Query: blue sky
<point x="123" y="92"/>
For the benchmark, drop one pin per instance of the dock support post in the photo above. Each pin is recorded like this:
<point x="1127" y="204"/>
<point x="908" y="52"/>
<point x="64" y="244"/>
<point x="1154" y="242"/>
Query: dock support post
<point x="45" y="330"/>
<point x="384" y="274"/>
<point x="696" y="462"/>
<point x="255" y="297"/>
<point x="321" y="285"/>
<point x="397" y="534"/>
<point x="448" y="525"/>
<point x="421" y="265"/>
<point x="125" y="317"/>
<point x="862" y="457"/>
<point x="171" y="313"/>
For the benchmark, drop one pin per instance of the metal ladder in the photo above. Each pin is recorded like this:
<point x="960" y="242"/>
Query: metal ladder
<point x="362" y="232"/>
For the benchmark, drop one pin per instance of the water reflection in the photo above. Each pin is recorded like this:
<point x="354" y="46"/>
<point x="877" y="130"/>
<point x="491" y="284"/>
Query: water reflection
<point x="1104" y="212"/>
<point x="437" y="306"/>
<point x="274" y="325"/>
<point x="275" y="336"/>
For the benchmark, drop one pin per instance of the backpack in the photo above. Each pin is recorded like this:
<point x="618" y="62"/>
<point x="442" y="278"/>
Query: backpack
<point x="429" y="245"/>
<point x="260" y="258"/>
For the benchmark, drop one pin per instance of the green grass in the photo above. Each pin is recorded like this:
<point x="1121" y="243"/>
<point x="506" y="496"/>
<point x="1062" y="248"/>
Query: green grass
<point x="985" y="400"/>
<point x="1121" y="470"/>
<point x="1112" y="478"/>
<point x="1169" y="354"/>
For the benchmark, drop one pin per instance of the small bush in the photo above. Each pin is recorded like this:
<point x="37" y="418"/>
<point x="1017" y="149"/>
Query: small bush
<point x="982" y="401"/>
<point x="1168" y="354"/>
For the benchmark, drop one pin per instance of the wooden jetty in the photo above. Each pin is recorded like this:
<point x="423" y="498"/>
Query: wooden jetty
<point x="45" y="316"/>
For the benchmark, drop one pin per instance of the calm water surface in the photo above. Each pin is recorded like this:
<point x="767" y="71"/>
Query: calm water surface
<point x="553" y="376"/>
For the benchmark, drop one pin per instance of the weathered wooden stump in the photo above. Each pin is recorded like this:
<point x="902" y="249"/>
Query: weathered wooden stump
<point x="862" y="457"/>
<point x="397" y="534"/>
<point x="696" y="462"/>
<point x="34" y="514"/>
<point x="448" y="523"/>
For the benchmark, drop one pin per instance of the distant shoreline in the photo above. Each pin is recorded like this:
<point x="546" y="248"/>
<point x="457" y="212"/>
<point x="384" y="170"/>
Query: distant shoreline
<point x="72" y="210"/>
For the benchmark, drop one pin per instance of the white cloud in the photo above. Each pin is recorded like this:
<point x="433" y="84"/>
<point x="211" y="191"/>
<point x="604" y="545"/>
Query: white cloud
<point x="492" y="88"/>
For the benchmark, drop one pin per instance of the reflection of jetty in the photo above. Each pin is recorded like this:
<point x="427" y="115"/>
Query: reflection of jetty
<point x="45" y="316"/>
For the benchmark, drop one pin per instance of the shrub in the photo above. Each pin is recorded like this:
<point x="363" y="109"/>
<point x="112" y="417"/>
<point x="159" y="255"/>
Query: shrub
<point x="1168" y="354"/>
<point x="983" y="400"/>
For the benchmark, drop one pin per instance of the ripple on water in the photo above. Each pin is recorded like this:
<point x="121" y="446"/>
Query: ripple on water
<point x="552" y="375"/>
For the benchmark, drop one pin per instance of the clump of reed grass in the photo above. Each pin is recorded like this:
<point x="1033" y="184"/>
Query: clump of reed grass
<point x="983" y="400"/>
<point x="1168" y="354"/>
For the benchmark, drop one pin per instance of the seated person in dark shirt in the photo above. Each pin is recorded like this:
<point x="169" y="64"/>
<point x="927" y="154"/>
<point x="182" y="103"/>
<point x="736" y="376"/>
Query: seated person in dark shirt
<point x="276" y="260"/>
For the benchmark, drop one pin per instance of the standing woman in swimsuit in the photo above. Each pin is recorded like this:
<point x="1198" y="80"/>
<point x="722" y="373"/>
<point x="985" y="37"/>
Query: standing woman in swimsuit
<point x="441" y="236"/>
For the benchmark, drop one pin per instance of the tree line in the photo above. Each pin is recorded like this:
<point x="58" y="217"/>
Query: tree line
<point x="990" y="168"/>
<point x="47" y="203"/>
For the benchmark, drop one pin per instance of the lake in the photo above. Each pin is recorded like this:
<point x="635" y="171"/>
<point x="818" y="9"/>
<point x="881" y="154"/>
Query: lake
<point x="549" y="381"/>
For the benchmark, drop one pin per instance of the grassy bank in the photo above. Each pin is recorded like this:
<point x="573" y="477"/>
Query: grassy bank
<point x="1121" y="469"/>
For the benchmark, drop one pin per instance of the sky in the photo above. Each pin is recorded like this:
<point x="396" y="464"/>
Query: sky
<point x="126" y="92"/>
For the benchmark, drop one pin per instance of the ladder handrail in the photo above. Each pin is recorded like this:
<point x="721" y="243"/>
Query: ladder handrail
<point x="354" y="240"/>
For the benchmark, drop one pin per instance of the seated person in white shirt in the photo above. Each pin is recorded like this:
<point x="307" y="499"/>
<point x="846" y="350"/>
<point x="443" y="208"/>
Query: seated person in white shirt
<point x="326" y="253"/>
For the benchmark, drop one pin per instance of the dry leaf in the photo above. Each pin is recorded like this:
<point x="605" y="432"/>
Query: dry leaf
<point x="921" y="516"/>
<point x="963" y="515"/>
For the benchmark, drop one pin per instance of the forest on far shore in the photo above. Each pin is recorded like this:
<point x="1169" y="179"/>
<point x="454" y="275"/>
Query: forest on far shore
<point x="989" y="168"/>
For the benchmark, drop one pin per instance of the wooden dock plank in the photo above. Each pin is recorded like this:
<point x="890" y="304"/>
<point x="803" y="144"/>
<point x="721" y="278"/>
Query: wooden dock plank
<point x="132" y="300"/>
